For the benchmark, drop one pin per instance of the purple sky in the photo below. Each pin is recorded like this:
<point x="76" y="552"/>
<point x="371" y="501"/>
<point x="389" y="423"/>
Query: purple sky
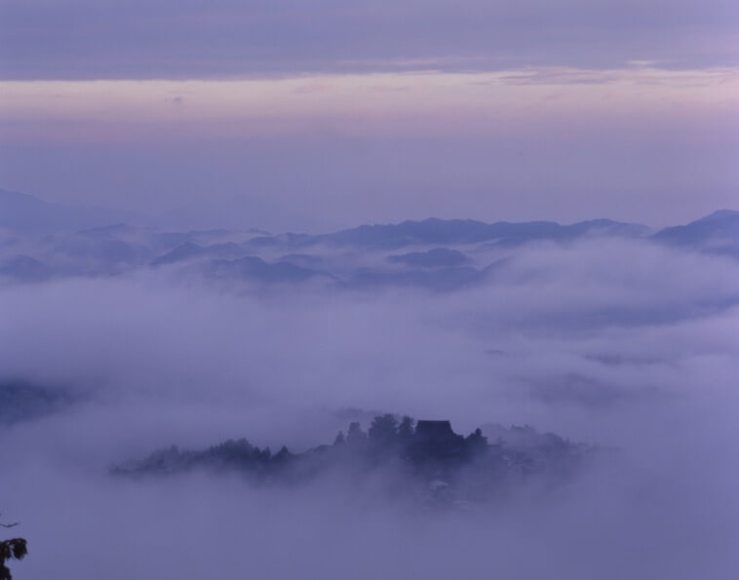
<point x="263" y="113"/>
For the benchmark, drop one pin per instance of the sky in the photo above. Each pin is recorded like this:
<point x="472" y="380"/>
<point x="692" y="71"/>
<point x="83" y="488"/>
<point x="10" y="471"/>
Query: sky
<point x="312" y="117"/>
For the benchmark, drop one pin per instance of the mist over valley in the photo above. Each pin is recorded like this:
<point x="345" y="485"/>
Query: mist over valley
<point x="573" y="386"/>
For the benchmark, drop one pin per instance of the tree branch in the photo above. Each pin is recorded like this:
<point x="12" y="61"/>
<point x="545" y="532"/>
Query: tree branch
<point x="8" y="525"/>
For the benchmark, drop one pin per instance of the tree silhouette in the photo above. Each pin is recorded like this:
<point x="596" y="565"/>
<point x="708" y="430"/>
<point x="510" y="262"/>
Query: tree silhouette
<point x="384" y="430"/>
<point x="14" y="549"/>
<point x="406" y="429"/>
<point x="355" y="435"/>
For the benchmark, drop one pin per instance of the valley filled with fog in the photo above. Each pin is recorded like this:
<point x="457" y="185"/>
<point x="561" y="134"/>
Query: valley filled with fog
<point x="613" y="339"/>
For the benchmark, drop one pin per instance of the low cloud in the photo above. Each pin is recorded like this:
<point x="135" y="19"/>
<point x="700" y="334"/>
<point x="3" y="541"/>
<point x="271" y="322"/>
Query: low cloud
<point x="625" y="345"/>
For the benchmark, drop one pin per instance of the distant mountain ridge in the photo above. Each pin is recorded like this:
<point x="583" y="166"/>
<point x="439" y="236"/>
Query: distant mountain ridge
<point x="435" y="253"/>
<point x="26" y="213"/>
<point x="716" y="233"/>
<point x="435" y="231"/>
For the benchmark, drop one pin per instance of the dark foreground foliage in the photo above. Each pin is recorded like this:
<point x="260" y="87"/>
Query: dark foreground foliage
<point x="424" y="459"/>
<point x="15" y="549"/>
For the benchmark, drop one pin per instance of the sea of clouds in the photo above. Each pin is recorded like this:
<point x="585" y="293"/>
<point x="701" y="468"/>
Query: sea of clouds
<point x="622" y="344"/>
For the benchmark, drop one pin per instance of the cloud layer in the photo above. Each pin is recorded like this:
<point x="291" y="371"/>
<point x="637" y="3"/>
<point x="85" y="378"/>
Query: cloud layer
<point x="176" y="39"/>
<point x="621" y="343"/>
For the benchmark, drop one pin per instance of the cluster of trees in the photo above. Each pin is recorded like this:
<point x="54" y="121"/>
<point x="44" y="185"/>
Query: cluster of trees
<point x="416" y="454"/>
<point x="388" y="438"/>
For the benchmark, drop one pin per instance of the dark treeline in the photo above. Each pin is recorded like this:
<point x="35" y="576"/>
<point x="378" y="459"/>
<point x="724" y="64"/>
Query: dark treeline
<point x="424" y="457"/>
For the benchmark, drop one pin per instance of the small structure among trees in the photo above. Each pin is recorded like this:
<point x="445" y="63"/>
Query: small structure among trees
<point x="421" y="459"/>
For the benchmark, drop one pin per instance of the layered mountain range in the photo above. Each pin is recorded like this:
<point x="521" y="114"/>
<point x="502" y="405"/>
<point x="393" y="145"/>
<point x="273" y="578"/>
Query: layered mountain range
<point x="42" y="241"/>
